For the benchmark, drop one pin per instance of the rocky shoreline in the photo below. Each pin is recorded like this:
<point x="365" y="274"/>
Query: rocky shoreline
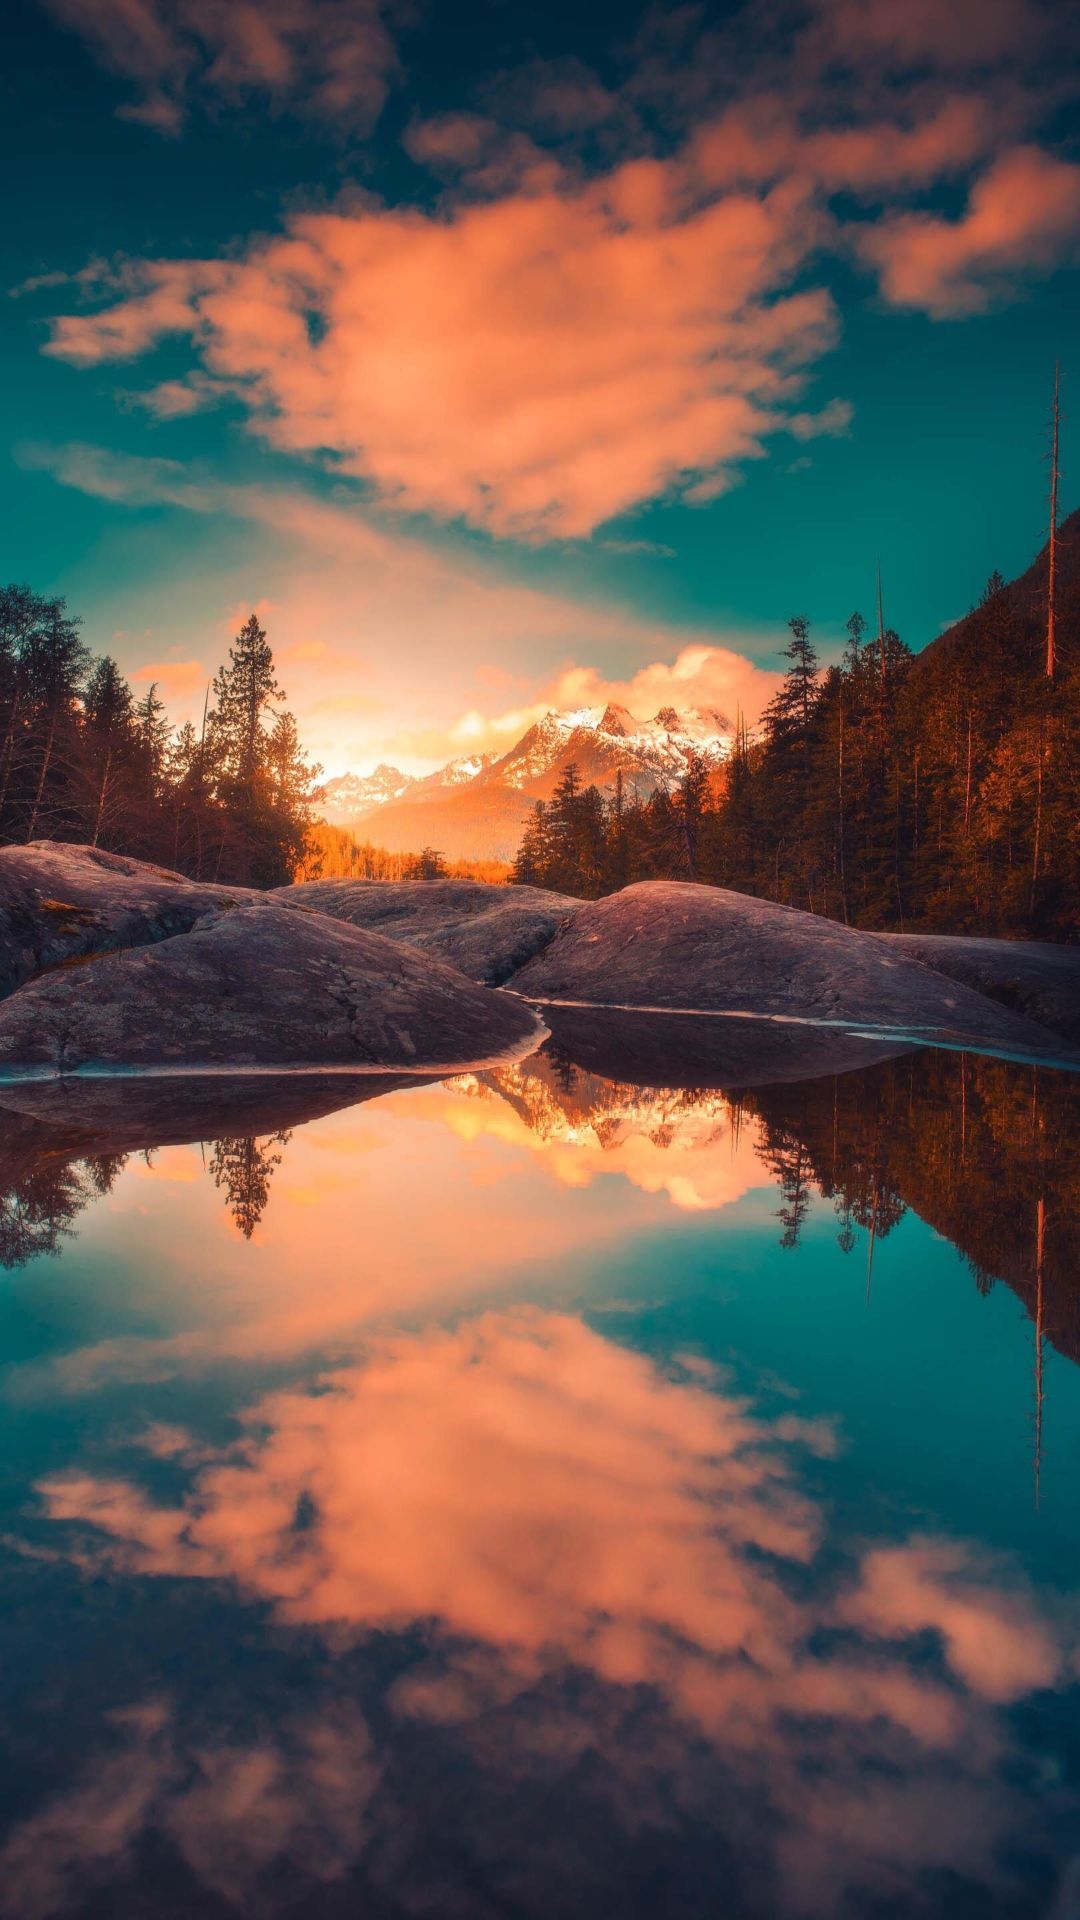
<point x="112" y="966"/>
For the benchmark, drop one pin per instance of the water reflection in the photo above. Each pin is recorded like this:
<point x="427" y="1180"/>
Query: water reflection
<point x="468" y="1589"/>
<point x="606" y="1561"/>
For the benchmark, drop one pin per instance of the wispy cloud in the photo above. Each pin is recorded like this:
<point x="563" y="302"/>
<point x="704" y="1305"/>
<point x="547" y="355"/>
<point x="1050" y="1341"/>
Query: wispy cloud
<point x="459" y="618"/>
<point x="560" y="339"/>
<point x="327" y="58"/>
<point x="1023" y="216"/>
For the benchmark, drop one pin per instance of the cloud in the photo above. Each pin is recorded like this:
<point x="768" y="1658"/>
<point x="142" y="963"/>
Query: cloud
<point x="708" y="677"/>
<point x="330" y="59"/>
<point x="549" y="346"/>
<point x="661" y="1141"/>
<point x="586" y="1543"/>
<point x="1023" y="215"/>
<point x="354" y="594"/>
<point x="234" y="1810"/>
<point x="922" y="35"/>
<point x="125" y="479"/>
<point x="991" y="1634"/>
<point x="177" y="681"/>
<point x="701" y="676"/>
<point x="535" y="365"/>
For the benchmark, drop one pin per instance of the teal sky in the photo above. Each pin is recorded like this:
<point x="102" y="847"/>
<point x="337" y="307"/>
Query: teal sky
<point x="600" y="341"/>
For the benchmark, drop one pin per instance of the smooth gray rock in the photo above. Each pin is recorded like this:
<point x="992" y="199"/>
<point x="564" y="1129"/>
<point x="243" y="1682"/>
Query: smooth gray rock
<point x="257" y="987"/>
<point x="59" y="903"/>
<point x="1033" y="977"/>
<point x="665" y="945"/>
<point x="486" y="931"/>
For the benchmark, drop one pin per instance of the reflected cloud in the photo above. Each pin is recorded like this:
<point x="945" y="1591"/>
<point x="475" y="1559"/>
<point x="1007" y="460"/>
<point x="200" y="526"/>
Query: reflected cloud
<point x="233" y="1812"/>
<point x="598" y="1554"/>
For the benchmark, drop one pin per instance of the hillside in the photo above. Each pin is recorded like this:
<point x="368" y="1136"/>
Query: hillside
<point x="1020" y="611"/>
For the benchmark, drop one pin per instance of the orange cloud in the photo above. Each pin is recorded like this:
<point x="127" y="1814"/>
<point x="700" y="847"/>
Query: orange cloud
<point x="992" y="1635"/>
<point x="536" y="364"/>
<point x="547" y="1504"/>
<point x="178" y="682"/>
<point x="1023" y="214"/>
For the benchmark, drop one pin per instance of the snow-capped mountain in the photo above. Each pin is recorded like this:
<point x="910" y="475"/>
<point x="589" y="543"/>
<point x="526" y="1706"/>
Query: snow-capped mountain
<point x="475" y="807"/>
<point x="351" y="796"/>
<point x="601" y="741"/>
<point x="455" y="773"/>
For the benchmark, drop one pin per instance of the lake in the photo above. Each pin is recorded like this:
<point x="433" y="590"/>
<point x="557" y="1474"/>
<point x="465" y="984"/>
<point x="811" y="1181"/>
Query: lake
<point x="542" y="1493"/>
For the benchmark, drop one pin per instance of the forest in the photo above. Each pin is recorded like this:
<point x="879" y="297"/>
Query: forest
<point x="935" y="790"/>
<point x="82" y="759"/>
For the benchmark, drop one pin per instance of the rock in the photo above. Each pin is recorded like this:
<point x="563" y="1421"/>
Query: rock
<point x="679" y="1050"/>
<point x="259" y="987"/>
<point x="1034" y="978"/>
<point x="665" y="945"/>
<point x="485" y="931"/>
<point x="44" y="1121"/>
<point x="59" y="903"/>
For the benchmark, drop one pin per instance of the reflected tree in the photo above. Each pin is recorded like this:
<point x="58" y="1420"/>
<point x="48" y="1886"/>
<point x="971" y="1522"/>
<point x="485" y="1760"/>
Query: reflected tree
<point x="244" y="1168"/>
<point x="38" y="1211"/>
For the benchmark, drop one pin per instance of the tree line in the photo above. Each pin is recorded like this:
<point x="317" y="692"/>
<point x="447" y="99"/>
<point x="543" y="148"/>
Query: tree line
<point x="83" y="759"/>
<point x="889" y="790"/>
<point x="334" y="853"/>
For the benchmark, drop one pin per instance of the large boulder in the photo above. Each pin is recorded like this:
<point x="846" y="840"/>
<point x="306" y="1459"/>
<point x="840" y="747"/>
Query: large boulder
<point x="59" y="903"/>
<point x="1033" y="977"/>
<point x="664" y="946"/>
<point x="486" y="931"/>
<point x="260" y="987"/>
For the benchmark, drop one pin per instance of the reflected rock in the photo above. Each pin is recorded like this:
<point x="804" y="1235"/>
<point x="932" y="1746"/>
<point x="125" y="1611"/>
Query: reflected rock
<point x="1032" y="977"/>
<point x="666" y="945"/>
<point x="62" y="1142"/>
<point x="88" y="1118"/>
<point x="681" y="1050"/>
<point x="60" y="903"/>
<point x="260" y="988"/>
<point x="486" y="931"/>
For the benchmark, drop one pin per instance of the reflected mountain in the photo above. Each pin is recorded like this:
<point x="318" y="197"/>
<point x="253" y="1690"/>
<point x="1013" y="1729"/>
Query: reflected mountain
<point x="981" y="1149"/>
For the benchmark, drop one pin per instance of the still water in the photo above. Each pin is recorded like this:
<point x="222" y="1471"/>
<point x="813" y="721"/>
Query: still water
<point x="543" y="1494"/>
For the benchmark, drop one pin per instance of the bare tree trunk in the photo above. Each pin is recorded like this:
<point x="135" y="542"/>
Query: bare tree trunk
<point x="1036" y="854"/>
<point x="1051" y="578"/>
<point x="967" y="780"/>
<point x="1040" y="1334"/>
<point x="840" y="809"/>
<point x="9" y="750"/>
<point x="46" y="762"/>
<point x="101" y="799"/>
<point x="883" y="658"/>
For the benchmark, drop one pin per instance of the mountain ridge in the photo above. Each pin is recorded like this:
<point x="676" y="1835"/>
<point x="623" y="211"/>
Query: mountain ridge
<point x="476" y="806"/>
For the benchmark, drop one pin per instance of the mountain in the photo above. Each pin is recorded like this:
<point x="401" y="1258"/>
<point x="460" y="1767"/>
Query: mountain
<point x="351" y="796"/>
<point x="1019" y="608"/>
<point x="476" y="806"/>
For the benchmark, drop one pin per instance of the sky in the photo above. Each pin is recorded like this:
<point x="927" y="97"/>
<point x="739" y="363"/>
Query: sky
<point x="502" y="358"/>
